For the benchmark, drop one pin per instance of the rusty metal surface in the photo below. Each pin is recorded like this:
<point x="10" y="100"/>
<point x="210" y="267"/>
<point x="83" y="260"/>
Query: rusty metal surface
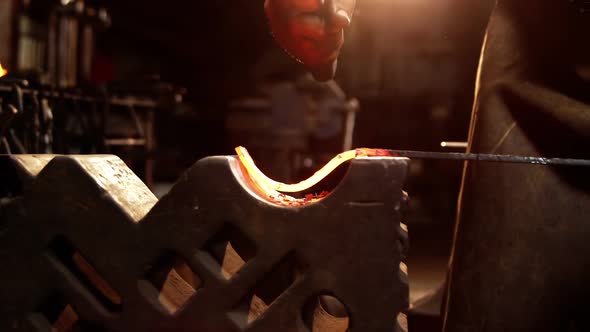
<point x="85" y="246"/>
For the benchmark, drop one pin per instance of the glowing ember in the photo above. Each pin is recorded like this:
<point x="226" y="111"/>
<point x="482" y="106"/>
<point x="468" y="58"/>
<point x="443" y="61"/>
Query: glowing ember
<point x="286" y="200"/>
<point x="270" y="186"/>
<point x="364" y="152"/>
<point x="2" y="71"/>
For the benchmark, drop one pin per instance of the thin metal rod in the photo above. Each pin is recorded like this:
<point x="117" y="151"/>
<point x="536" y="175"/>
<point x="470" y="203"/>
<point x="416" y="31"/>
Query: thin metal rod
<point x="500" y="158"/>
<point x="454" y="145"/>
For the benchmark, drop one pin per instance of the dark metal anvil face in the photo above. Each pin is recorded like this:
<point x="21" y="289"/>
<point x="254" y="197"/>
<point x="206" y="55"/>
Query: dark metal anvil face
<point x="83" y="242"/>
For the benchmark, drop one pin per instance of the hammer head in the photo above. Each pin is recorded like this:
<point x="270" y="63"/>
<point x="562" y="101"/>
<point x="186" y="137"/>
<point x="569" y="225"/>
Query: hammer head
<point x="311" y="31"/>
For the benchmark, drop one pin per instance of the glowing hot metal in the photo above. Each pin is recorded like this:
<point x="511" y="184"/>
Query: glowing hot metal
<point x="270" y="185"/>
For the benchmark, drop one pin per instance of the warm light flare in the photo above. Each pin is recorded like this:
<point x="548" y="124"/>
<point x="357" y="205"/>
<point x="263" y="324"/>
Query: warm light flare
<point x="2" y="71"/>
<point x="270" y="185"/>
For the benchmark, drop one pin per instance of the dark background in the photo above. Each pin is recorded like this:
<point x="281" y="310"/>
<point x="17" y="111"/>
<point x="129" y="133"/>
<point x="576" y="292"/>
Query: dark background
<point x="411" y="64"/>
<point x="404" y="59"/>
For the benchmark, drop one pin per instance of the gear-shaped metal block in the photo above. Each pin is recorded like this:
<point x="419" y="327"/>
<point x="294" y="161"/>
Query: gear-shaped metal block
<point x="85" y="245"/>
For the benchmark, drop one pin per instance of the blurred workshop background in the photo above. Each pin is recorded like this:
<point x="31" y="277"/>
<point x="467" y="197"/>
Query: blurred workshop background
<point x="162" y="84"/>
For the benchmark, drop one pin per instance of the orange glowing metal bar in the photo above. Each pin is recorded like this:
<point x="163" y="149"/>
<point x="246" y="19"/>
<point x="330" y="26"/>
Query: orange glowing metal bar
<point x="2" y="71"/>
<point x="270" y="185"/>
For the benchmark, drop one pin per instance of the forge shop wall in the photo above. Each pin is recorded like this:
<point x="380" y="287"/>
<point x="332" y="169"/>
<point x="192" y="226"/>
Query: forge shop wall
<point x="6" y="30"/>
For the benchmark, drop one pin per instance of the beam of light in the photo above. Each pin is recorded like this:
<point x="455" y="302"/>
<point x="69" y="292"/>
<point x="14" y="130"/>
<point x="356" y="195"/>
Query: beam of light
<point x="269" y="185"/>
<point x="2" y="71"/>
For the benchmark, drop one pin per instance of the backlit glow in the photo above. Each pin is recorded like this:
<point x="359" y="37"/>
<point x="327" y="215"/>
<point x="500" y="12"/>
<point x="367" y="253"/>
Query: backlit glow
<point x="2" y="71"/>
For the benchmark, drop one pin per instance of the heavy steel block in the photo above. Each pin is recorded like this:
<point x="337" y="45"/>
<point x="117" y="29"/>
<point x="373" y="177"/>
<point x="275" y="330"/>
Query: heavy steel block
<point x="84" y="245"/>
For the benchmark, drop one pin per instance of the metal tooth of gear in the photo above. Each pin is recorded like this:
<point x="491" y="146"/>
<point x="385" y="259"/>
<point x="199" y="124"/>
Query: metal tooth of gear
<point x="96" y="205"/>
<point x="403" y="240"/>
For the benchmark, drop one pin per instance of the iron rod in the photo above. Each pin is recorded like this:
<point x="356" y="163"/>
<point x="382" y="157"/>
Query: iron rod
<point x="490" y="158"/>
